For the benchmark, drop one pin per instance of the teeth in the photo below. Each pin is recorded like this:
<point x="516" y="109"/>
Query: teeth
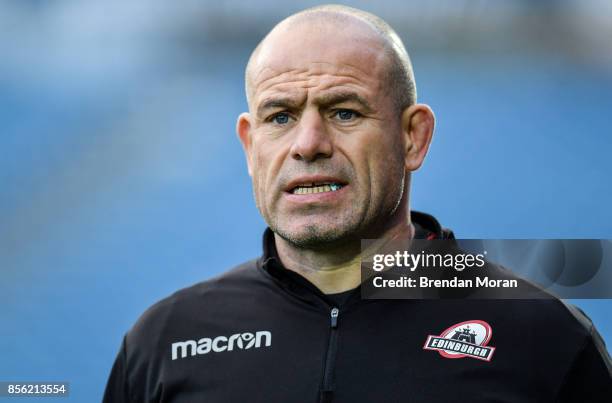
<point x="302" y="190"/>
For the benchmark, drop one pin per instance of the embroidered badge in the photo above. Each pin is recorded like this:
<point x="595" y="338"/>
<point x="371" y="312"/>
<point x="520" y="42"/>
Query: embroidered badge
<point x="465" y="339"/>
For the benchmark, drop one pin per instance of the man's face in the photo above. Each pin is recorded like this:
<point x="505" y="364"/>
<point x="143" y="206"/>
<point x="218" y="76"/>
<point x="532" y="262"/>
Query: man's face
<point x="323" y="138"/>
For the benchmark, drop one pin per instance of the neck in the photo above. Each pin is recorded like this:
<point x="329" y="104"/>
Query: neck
<point x="338" y="268"/>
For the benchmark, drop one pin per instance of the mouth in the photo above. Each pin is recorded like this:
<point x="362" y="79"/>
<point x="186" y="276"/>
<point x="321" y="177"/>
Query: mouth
<point x="314" y="187"/>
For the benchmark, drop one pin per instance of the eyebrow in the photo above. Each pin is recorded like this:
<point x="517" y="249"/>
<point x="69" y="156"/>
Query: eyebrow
<point x="335" y="98"/>
<point x="325" y="101"/>
<point x="272" y="103"/>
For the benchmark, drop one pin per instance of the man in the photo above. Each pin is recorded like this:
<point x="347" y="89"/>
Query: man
<point x="332" y="135"/>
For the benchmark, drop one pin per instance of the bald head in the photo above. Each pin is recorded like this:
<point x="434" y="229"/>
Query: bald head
<point x="364" y="30"/>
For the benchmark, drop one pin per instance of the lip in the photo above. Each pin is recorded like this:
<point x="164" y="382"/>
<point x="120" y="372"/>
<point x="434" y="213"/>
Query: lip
<point x="313" y="179"/>
<point x="326" y="198"/>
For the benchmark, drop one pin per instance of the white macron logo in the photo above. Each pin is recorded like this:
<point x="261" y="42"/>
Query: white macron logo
<point x="243" y="341"/>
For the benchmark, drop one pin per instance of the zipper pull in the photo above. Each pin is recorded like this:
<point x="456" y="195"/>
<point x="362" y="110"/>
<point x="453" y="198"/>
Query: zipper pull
<point x="334" y="317"/>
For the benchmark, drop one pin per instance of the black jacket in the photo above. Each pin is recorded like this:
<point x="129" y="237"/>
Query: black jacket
<point x="262" y="333"/>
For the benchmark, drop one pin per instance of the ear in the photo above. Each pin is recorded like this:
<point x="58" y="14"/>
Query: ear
<point x="243" y="130"/>
<point x="418" y="123"/>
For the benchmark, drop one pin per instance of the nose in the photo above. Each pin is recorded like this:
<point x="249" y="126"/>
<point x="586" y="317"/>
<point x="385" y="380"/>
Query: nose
<point x="311" y="141"/>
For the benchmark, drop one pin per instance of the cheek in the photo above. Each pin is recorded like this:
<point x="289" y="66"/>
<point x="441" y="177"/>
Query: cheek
<point x="258" y="169"/>
<point x="265" y="169"/>
<point x="261" y="177"/>
<point x="384" y="164"/>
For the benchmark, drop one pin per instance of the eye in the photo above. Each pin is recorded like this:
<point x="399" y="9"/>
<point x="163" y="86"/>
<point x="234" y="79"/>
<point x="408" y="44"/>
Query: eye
<point x="346" y="114"/>
<point x="281" y="118"/>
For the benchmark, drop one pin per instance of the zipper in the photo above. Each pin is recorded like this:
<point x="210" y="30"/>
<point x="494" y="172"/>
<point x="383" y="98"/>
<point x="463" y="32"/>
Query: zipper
<point x="330" y="358"/>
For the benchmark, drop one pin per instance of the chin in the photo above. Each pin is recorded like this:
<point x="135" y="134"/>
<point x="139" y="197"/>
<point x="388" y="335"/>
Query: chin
<point x="314" y="236"/>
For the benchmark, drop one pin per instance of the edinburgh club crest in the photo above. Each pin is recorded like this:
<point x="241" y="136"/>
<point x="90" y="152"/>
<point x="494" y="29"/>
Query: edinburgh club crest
<point x="465" y="339"/>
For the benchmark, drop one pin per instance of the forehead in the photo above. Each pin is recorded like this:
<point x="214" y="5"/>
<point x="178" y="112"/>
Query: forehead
<point x="318" y="55"/>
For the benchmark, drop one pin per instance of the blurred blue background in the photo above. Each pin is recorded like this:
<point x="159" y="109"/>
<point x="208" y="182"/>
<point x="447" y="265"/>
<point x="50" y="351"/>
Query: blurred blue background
<point x="122" y="179"/>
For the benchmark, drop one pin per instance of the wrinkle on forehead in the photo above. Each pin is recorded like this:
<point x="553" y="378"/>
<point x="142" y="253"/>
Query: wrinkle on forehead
<point x="304" y="86"/>
<point x="267" y="73"/>
<point x="320" y="75"/>
<point x="307" y="47"/>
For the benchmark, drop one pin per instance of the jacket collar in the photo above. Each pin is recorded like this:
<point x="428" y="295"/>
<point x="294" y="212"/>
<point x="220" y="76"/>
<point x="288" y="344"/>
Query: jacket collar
<point x="426" y="227"/>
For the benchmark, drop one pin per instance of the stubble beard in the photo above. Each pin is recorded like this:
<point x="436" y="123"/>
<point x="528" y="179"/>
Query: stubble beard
<point x="360" y="222"/>
<point x="317" y="237"/>
<point x="351" y="228"/>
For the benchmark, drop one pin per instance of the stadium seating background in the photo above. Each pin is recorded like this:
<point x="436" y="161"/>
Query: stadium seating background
<point x="122" y="179"/>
